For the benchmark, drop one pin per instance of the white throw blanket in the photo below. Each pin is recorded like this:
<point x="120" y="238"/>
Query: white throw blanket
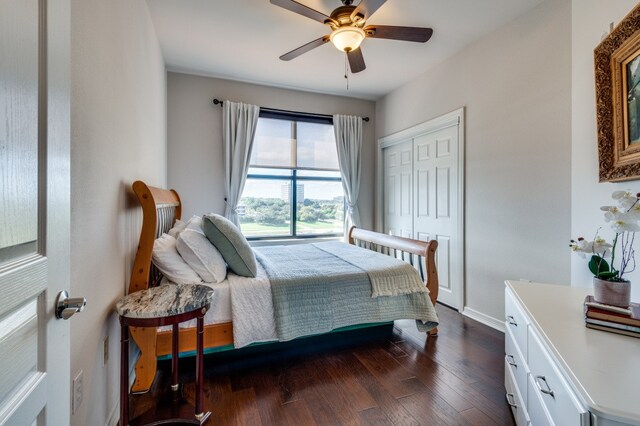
<point x="389" y="276"/>
<point x="252" y="309"/>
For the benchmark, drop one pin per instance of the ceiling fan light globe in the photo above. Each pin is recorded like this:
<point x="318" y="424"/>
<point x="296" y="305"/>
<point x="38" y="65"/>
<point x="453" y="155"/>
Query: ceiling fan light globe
<point x="347" y="38"/>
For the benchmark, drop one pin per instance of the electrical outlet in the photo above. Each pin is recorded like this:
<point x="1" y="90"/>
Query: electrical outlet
<point x="105" y="350"/>
<point x="76" y="398"/>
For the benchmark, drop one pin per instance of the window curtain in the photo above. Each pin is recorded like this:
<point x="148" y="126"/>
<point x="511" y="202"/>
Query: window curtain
<point x="348" y="132"/>
<point x="239" y="123"/>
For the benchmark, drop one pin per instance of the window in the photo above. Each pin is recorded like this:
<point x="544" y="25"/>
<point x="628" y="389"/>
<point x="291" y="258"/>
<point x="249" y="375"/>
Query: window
<point x="291" y="152"/>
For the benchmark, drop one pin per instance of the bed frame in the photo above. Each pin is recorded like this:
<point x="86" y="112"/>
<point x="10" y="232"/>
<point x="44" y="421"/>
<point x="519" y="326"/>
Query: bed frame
<point x="161" y="208"/>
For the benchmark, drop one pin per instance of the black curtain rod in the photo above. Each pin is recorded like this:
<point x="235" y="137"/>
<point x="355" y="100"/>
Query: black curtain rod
<point x="219" y="102"/>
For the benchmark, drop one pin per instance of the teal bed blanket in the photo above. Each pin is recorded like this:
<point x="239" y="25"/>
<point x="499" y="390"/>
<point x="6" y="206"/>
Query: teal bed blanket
<point x="317" y="288"/>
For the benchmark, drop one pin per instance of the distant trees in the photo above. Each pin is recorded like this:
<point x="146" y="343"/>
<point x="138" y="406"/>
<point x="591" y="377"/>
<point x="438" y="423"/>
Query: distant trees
<point x="266" y="211"/>
<point x="275" y="211"/>
<point x="309" y="214"/>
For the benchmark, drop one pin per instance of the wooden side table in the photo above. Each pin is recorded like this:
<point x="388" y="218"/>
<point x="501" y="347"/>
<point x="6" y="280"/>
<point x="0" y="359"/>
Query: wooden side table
<point x="168" y="304"/>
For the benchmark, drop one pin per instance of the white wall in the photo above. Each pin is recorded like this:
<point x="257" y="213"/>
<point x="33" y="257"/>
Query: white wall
<point x="590" y="23"/>
<point x="515" y="85"/>
<point x="118" y="135"/>
<point x="195" y="166"/>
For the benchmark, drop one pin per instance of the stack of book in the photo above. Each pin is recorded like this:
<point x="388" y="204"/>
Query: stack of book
<point x="612" y="318"/>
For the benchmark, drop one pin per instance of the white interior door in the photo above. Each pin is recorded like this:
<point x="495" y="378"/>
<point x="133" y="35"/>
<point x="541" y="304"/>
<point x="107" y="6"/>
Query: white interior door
<point x="398" y="198"/>
<point x="422" y="186"/>
<point x="34" y="211"/>
<point x="436" y="204"/>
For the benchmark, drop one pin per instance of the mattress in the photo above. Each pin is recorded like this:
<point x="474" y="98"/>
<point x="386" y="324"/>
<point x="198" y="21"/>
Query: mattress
<point x="250" y="303"/>
<point x="250" y="299"/>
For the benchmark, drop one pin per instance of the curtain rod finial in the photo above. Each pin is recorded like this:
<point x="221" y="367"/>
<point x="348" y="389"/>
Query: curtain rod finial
<point x="217" y="102"/>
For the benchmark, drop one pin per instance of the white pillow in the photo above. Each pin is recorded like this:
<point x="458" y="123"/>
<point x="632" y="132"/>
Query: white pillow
<point x="178" y="227"/>
<point x="168" y="261"/>
<point x="202" y="256"/>
<point x="195" y="224"/>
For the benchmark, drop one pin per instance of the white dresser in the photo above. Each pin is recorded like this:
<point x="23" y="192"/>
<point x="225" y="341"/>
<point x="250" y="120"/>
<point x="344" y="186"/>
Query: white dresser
<point x="557" y="371"/>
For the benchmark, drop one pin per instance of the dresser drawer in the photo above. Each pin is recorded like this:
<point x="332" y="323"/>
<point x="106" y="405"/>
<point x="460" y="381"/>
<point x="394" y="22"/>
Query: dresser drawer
<point x="514" y="398"/>
<point x="538" y="414"/>
<point x="551" y="388"/>
<point x="515" y="322"/>
<point x="515" y="362"/>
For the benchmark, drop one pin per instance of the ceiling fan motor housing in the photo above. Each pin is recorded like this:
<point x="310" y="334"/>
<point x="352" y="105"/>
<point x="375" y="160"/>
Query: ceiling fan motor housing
<point x="341" y="17"/>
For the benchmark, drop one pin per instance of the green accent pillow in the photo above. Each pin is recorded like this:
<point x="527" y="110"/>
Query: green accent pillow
<point x="233" y="246"/>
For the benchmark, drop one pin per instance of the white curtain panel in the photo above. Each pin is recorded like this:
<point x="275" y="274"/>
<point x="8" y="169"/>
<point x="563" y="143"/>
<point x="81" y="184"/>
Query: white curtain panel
<point x="348" y="132"/>
<point x="239" y="123"/>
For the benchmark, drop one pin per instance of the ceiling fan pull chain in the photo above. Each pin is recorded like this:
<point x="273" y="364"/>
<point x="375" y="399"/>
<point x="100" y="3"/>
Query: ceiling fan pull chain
<point x="346" y="70"/>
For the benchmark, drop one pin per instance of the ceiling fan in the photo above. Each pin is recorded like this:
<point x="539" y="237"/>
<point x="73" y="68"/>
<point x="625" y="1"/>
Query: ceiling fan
<point x="347" y="24"/>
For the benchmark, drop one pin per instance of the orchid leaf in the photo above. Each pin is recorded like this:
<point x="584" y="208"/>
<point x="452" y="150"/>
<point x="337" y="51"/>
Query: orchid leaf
<point x="598" y="266"/>
<point x="607" y="275"/>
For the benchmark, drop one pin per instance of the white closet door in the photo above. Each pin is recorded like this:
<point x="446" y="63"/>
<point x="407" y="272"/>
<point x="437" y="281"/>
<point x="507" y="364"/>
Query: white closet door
<point x="435" y="204"/>
<point x="422" y="186"/>
<point x="398" y="202"/>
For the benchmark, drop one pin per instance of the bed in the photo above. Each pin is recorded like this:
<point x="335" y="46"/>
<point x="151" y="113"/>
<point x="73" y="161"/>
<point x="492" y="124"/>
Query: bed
<point x="161" y="208"/>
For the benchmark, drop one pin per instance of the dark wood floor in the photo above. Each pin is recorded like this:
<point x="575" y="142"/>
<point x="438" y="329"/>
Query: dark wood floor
<point x="400" y="377"/>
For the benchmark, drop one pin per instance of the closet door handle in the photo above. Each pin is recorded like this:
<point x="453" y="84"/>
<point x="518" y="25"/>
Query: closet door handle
<point x="511" y="361"/>
<point x="511" y="320"/>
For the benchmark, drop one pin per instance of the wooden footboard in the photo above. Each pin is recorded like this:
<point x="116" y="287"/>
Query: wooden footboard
<point x="421" y="254"/>
<point x="161" y="208"/>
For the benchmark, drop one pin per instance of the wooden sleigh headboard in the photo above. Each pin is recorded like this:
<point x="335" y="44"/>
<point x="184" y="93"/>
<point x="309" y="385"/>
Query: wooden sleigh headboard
<point x="160" y="210"/>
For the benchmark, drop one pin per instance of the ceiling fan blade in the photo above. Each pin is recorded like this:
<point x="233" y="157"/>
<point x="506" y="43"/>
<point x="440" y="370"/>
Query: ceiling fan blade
<point x="305" y="48"/>
<point x="366" y="8"/>
<point x="301" y="9"/>
<point x="417" y="34"/>
<point x="356" y="60"/>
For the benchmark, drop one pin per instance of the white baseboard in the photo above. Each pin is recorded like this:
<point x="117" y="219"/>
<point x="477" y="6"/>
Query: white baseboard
<point x="484" y="319"/>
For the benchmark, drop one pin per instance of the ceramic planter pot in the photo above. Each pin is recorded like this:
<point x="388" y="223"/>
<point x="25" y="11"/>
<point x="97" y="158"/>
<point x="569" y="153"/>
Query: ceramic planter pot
<point x="616" y="293"/>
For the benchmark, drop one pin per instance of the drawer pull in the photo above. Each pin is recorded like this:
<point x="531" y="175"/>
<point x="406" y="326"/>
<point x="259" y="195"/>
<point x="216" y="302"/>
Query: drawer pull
<point x="512" y="320"/>
<point x="511" y="400"/>
<point x="511" y="361"/>
<point x="547" y="389"/>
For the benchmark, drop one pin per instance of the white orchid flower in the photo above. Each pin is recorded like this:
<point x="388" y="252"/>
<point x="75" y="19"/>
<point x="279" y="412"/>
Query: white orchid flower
<point x="625" y="198"/>
<point x="618" y="195"/>
<point x="611" y="213"/>
<point x="580" y="245"/>
<point x="634" y="211"/>
<point x="601" y="247"/>
<point x="598" y="246"/>
<point x="625" y="222"/>
<point x="624" y="217"/>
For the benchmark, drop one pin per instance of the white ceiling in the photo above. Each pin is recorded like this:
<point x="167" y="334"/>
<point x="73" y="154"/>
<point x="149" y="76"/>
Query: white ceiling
<point x="242" y="40"/>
